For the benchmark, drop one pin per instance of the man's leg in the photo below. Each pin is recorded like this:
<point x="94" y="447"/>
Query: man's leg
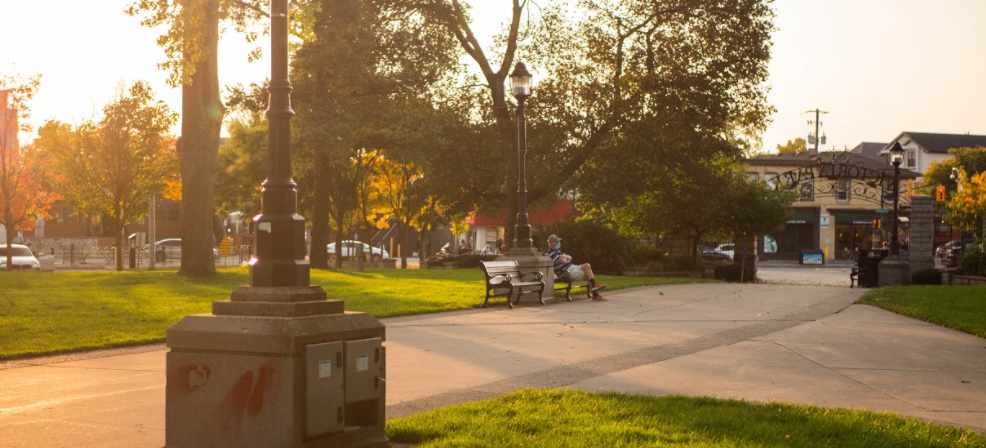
<point x="593" y="286"/>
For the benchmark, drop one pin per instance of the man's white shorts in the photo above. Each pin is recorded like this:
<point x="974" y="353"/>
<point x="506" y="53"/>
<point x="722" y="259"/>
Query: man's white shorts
<point x="574" y="273"/>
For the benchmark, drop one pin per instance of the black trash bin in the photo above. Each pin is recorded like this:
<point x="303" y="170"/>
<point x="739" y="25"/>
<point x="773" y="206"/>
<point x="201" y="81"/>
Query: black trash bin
<point x="868" y="264"/>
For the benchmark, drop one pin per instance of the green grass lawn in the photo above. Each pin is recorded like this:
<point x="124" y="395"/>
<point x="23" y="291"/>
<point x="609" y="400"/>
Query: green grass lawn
<point x="567" y="419"/>
<point x="44" y="313"/>
<point x="960" y="307"/>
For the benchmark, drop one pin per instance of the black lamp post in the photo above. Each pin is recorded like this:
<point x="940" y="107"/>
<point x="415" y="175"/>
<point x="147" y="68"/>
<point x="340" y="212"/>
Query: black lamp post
<point x="896" y="157"/>
<point x="279" y="229"/>
<point x="520" y="85"/>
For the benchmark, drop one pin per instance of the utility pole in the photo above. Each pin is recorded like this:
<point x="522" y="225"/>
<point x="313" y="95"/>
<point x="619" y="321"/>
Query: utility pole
<point x="818" y="122"/>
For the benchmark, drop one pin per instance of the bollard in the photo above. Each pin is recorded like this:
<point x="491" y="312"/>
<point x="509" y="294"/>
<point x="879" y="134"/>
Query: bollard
<point x="133" y="258"/>
<point x="71" y="255"/>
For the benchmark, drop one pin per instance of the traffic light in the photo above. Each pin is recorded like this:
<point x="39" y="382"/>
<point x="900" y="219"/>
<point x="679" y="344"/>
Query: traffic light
<point x="877" y="223"/>
<point x="940" y="194"/>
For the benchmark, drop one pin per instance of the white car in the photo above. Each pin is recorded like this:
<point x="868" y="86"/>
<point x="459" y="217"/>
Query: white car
<point x="349" y="249"/>
<point x="728" y="249"/>
<point x="170" y="249"/>
<point x="22" y="258"/>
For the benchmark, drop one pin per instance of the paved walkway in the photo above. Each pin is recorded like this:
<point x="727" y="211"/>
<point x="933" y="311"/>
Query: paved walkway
<point x="802" y="344"/>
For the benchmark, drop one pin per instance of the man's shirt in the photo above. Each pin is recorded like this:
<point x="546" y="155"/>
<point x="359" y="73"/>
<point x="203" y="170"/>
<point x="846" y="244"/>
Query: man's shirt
<point x="560" y="268"/>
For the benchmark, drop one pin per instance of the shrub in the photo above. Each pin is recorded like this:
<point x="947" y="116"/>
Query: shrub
<point x="731" y="273"/>
<point x="646" y="254"/>
<point x="974" y="260"/>
<point x="590" y="242"/>
<point x="926" y="277"/>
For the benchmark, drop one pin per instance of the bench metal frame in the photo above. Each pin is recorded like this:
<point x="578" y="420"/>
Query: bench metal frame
<point x="506" y="275"/>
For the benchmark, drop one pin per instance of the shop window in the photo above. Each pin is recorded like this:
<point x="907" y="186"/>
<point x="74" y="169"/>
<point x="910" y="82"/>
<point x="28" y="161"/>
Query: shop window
<point x="842" y="193"/>
<point x="772" y="179"/>
<point x="807" y="190"/>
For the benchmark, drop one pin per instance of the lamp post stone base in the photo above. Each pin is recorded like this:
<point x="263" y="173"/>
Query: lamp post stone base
<point x="530" y="260"/>
<point x="276" y="367"/>
<point x="894" y="271"/>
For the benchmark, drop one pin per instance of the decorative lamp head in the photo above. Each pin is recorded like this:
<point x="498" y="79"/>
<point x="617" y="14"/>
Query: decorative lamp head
<point x="520" y="81"/>
<point x="896" y="154"/>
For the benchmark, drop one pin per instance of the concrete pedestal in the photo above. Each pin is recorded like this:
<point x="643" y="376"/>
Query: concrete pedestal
<point x="251" y="374"/>
<point x="894" y="272"/>
<point x="530" y="261"/>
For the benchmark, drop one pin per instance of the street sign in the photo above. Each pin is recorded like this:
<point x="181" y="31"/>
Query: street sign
<point x="883" y="211"/>
<point x="225" y="246"/>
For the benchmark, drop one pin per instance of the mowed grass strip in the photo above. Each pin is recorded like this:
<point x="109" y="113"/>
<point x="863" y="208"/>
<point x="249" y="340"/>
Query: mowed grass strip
<point x="571" y="419"/>
<point x="961" y="308"/>
<point x="46" y="313"/>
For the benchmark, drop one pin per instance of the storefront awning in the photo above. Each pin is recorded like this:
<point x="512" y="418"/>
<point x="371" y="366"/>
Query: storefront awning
<point x="857" y="218"/>
<point x="803" y="218"/>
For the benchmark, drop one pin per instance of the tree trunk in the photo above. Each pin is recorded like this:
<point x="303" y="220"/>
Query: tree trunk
<point x="318" y="256"/>
<point x="339" y="216"/>
<point x="9" y="228"/>
<point x="201" y="122"/>
<point x="402" y="238"/>
<point x="118" y="253"/>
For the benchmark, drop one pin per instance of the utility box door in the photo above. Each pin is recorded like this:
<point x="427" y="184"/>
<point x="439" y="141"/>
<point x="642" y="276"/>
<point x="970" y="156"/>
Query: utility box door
<point x="363" y="361"/>
<point x="324" y="392"/>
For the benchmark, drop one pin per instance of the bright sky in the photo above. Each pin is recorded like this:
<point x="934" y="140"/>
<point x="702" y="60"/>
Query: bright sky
<point x="878" y="66"/>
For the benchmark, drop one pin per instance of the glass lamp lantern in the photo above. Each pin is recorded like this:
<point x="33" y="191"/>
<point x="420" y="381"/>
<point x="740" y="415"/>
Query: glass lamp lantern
<point x="520" y="81"/>
<point x="896" y="154"/>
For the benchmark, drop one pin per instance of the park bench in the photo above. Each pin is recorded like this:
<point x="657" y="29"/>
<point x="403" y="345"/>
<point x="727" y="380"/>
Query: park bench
<point x="504" y="279"/>
<point x="568" y="286"/>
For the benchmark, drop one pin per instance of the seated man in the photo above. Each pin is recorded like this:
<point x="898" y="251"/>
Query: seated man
<point x="567" y="271"/>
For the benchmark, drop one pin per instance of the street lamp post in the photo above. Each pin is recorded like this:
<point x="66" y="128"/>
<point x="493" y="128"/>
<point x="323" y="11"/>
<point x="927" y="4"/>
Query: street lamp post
<point x="896" y="157"/>
<point x="280" y="230"/>
<point x="520" y="85"/>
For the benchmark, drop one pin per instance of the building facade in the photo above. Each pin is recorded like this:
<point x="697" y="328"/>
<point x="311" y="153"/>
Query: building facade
<point x="845" y="202"/>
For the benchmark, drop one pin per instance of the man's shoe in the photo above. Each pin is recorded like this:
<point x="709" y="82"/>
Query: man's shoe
<point x="599" y="287"/>
<point x="599" y="298"/>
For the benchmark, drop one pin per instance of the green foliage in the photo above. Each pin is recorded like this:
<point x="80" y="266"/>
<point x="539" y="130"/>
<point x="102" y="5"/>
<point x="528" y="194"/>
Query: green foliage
<point x="731" y="273"/>
<point x="926" y="277"/>
<point x="577" y="419"/>
<point x="974" y="260"/>
<point x="589" y="241"/>
<point x="958" y="307"/>
<point x="242" y="167"/>
<point x="71" y="311"/>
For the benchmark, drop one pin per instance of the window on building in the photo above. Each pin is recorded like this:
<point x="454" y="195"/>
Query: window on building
<point x="807" y="188"/>
<point x="752" y="177"/>
<point x="772" y="179"/>
<point x="842" y="190"/>
<point x="912" y="159"/>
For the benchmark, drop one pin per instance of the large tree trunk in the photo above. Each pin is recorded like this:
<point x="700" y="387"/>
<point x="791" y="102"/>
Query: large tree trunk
<point x="320" y="215"/>
<point x="201" y="122"/>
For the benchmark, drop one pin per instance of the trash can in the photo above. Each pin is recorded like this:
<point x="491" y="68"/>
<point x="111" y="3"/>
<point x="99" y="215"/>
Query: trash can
<point x="869" y="267"/>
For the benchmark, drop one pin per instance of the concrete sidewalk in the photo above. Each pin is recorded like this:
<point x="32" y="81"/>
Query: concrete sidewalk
<point x="759" y="342"/>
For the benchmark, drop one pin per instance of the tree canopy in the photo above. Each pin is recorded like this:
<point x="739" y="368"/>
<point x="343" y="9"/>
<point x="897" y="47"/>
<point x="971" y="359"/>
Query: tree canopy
<point x="795" y="146"/>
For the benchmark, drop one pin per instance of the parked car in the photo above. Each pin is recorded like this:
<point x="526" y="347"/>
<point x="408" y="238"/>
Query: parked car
<point x="722" y="252"/>
<point x="170" y="249"/>
<point x="945" y="248"/>
<point x="21" y="258"/>
<point x="349" y="250"/>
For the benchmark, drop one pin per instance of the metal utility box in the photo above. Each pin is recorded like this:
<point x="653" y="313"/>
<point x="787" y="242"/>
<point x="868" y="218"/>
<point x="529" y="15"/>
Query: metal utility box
<point x="364" y="369"/>
<point x="324" y="389"/>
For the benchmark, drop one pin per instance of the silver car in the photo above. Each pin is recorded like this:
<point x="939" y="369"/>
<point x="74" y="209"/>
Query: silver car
<point x="22" y="258"/>
<point x="349" y="249"/>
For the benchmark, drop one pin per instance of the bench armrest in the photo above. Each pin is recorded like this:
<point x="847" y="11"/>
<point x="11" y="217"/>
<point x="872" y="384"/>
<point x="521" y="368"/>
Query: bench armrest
<point x="507" y="278"/>
<point x="537" y="275"/>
